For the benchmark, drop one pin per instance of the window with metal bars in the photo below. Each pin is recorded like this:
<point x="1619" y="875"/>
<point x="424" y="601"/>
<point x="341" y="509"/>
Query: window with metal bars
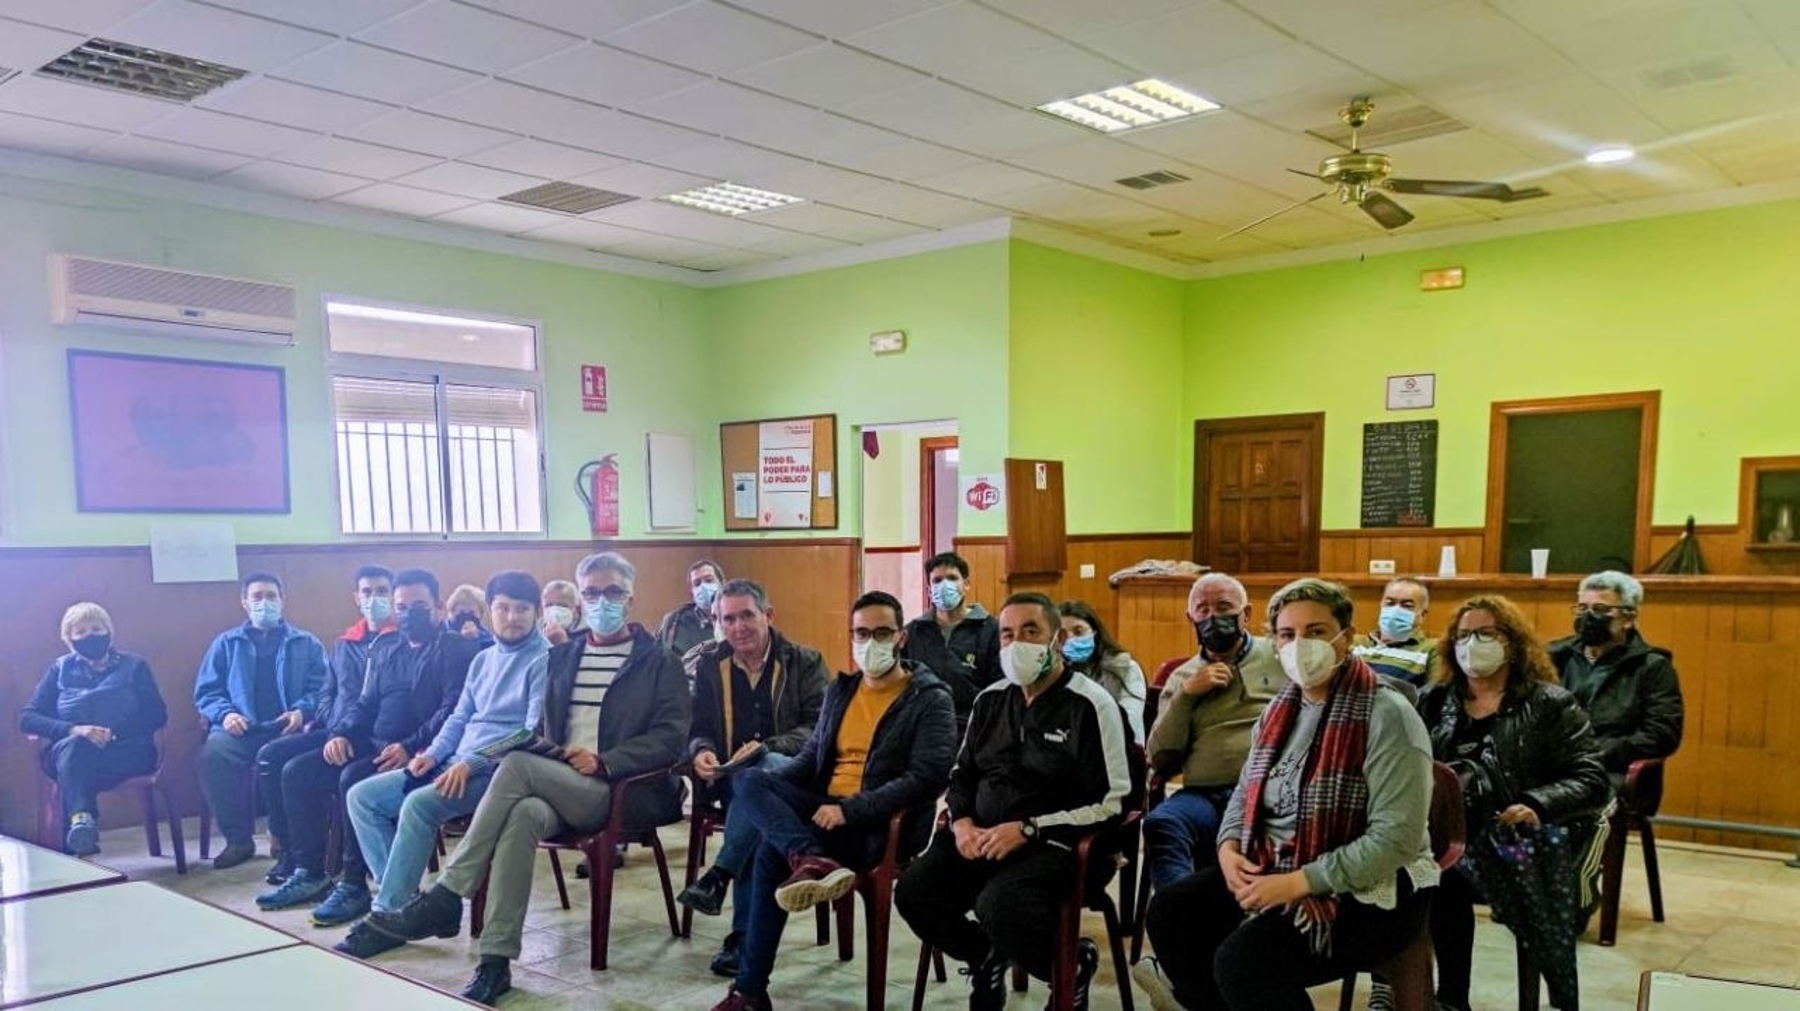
<point x="423" y="451"/>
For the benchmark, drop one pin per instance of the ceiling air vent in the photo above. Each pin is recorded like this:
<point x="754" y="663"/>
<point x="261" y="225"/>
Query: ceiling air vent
<point x="1151" y="180"/>
<point x="122" y="66"/>
<point x="1716" y="68"/>
<point x="1393" y="126"/>
<point x="567" y="198"/>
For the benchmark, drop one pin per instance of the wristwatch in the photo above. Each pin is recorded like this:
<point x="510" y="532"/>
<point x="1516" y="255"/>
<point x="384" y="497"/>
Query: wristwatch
<point x="1029" y="829"/>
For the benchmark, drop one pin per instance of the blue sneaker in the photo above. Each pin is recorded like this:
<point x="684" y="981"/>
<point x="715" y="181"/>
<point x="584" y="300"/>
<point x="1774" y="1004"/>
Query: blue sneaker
<point x="348" y="902"/>
<point x="302" y="888"/>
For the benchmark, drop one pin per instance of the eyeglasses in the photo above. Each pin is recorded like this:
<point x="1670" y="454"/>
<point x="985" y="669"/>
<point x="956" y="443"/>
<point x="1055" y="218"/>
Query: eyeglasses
<point x="616" y="594"/>
<point x="1462" y="635"/>
<point x="882" y="635"/>
<point x="1603" y="610"/>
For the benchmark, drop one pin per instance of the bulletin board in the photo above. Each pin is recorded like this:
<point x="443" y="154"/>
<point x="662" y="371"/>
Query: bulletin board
<point x="780" y="473"/>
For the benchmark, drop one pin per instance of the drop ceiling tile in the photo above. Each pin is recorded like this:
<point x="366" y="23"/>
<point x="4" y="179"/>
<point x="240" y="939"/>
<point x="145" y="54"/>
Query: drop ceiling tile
<point x="662" y="248"/>
<point x="80" y="104"/>
<point x="353" y="157"/>
<point x="838" y="223"/>
<point x="1210" y="32"/>
<point x="32" y="134"/>
<point x="723" y="108"/>
<point x="1080" y="18"/>
<point x="1753" y="151"/>
<point x="1780" y="21"/>
<point x="375" y="73"/>
<point x="658" y="218"/>
<point x="827" y="75"/>
<point x="965" y="212"/>
<point x="816" y="182"/>
<point x="623" y="134"/>
<point x="542" y="158"/>
<point x="417" y="131"/>
<point x="586" y="233"/>
<point x="467" y="37"/>
<point x="1309" y="18"/>
<point x="597" y="73"/>
<point x="1098" y="160"/>
<point x="1743" y="98"/>
<point x="1558" y="118"/>
<point x="905" y="203"/>
<point x="980" y="182"/>
<point x="295" y="105"/>
<point x="1235" y="145"/>
<point x="908" y="160"/>
<point x="1671" y="169"/>
<point x="1295" y="67"/>
<point x="718" y="158"/>
<point x="506" y="218"/>
<point x="413" y="203"/>
<point x="27" y="47"/>
<point x="1212" y="197"/>
<point x="1010" y="134"/>
<point x="590" y="19"/>
<point x="464" y="180"/>
<point x="1464" y="45"/>
<point x="724" y="260"/>
<point x="1470" y="154"/>
<point x="825" y="137"/>
<point x="165" y="158"/>
<point x="1307" y="226"/>
<point x="948" y="38"/>
<point x="223" y="132"/>
<point x="641" y="180"/>
<point x="930" y="109"/>
<point x="222" y="36"/>
<point x="291" y="180"/>
<point x="1046" y="200"/>
<point x="797" y="244"/>
<point x="339" y="17"/>
<point x="1101" y="212"/>
<point x="511" y="107"/>
<point x="710" y="37"/>
<point x="1032" y="78"/>
<point x="88" y="17"/>
<point x="835" y="18"/>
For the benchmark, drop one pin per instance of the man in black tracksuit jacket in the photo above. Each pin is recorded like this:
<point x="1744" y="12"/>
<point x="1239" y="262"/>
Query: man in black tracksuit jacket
<point x="1043" y="763"/>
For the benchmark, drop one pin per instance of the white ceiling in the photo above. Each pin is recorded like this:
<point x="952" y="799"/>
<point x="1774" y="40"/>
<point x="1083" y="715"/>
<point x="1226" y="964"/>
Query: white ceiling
<point x="900" y="118"/>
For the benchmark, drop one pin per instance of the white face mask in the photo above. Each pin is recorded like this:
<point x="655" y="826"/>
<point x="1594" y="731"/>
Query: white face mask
<point x="1480" y="659"/>
<point x="873" y="658"/>
<point x="1309" y="663"/>
<point x="556" y="614"/>
<point x="1024" y="663"/>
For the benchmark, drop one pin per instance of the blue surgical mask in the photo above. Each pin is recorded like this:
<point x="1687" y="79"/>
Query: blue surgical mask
<point x="1397" y="622"/>
<point x="604" y="617"/>
<point x="704" y="595"/>
<point x="378" y="610"/>
<point x="1078" y="648"/>
<point x="946" y="594"/>
<point x="265" y="614"/>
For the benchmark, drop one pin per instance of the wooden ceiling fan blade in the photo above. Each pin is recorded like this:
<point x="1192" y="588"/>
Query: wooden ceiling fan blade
<point x="1303" y="172"/>
<point x="1276" y="214"/>
<point x="1386" y="213"/>
<point x="1464" y="188"/>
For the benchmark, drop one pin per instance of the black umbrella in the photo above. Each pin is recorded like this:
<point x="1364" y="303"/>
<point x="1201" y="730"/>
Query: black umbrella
<point x="1684" y="558"/>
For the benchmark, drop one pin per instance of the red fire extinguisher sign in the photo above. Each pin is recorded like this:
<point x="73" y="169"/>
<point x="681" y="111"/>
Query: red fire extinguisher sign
<point x="593" y="388"/>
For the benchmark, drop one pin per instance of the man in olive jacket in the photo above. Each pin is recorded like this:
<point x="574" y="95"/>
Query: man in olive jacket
<point x="615" y="706"/>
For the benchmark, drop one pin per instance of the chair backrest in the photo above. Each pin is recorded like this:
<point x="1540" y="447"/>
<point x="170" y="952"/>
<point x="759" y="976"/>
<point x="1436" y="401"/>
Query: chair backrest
<point x="1153" y="696"/>
<point x="1449" y="832"/>
<point x="1644" y="786"/>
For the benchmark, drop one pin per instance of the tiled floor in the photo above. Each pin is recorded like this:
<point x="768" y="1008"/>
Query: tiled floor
<point x="1729" y="914"/>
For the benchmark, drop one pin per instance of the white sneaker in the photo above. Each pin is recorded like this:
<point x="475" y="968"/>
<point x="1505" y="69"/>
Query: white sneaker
<point x="1148" y="976"/>
<point x="1381" y="996"/>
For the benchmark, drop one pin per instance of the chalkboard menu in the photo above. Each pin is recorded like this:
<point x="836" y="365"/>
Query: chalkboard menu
<point x="1399" y="473"/>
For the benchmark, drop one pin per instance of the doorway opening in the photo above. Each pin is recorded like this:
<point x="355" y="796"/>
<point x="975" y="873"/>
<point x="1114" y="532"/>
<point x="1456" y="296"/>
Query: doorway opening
<point x="1256" y="492"/>
<point x="909" y="504"/>
<point x="1575" y="476"/>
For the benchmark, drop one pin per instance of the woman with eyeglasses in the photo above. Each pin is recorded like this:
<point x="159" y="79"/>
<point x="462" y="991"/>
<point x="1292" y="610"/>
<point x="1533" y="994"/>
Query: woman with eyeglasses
<point x="1533" y="794"/>
<point x="1090" y="649"/>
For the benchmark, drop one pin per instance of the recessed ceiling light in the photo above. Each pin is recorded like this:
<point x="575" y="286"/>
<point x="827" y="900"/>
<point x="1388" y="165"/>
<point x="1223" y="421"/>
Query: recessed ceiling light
<point x="122" y="66"/>
<point x="731" y="199"/>
<point x="1610" y="155"/>
<point x="1145" y="103"/>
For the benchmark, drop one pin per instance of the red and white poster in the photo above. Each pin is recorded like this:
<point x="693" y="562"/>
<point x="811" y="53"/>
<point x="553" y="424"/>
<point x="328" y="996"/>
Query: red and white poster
<point x="784" y="478"/>
<point x="593" y="388"/>
<point x="983" y="492"/>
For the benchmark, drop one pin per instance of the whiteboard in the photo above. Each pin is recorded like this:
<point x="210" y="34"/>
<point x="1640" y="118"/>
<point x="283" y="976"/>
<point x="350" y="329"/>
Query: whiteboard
<point x="671" y="484"/>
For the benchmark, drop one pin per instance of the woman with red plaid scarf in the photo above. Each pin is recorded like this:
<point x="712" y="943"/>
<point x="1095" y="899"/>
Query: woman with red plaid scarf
<point x="1325" y="864"/>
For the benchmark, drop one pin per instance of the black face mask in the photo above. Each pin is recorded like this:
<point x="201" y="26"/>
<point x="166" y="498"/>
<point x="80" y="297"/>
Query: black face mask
<point x="416" y="623"/>
<point x="1593" y="629"/>
<point x="1218" y="633"/>
<point x="462" y="619"/>
<point x="93" y="647"/>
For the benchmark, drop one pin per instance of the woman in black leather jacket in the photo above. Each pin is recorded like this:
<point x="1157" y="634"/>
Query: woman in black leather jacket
<point x="1534" y="791"/>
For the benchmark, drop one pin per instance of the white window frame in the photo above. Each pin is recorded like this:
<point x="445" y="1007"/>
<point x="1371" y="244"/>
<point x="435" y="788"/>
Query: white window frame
<point x="440" y="375"/>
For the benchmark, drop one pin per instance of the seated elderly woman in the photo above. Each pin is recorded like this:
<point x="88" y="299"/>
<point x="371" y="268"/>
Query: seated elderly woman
<point x="98" y="712"/>
<point x="1324" y="860"/>
<point x="1533" y="787"/>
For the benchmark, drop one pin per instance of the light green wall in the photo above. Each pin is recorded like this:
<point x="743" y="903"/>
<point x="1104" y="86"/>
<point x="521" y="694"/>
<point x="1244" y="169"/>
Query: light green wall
<point x="1699" y="306"/>
<point x="800" y="345"/>
<point x="649" y="334"/>
<point x="1096" y="382"/>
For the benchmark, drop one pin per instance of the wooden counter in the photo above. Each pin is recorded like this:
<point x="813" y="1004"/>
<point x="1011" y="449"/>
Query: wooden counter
<point x="1736" y="641"/>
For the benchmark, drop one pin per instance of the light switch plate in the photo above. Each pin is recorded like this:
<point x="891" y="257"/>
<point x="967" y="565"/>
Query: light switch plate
<point x="1381" y="566"/>
<point x="1087" y="572"/>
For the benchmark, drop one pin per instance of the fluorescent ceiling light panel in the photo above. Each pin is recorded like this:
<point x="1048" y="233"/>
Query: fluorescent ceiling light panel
<point x="731" y="199"/>
<point x="139" y="70"/>
<point x="1146" y="103"/>
<point x="1610" y="155"/>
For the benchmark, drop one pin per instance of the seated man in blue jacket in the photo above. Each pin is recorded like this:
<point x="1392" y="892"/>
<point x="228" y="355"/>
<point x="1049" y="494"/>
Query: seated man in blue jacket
<point x="616" y="707"/>
<point x="397" y="814"/>
<point x="415" y="675"/>
<point x="884" y="742"/>
<point x="257" y="682"/>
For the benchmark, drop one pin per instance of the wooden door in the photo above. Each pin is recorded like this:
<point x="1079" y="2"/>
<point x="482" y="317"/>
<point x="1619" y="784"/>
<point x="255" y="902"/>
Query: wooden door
<point x="1256" y="492"/>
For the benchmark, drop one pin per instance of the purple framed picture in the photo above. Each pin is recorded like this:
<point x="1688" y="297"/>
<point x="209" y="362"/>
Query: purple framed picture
<point x="170" y="435"/>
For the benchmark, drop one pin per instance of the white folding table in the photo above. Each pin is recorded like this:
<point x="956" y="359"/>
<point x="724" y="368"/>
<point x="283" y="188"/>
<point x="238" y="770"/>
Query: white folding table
<point x="1674" y="991"/>
<point x="27" y="871"/>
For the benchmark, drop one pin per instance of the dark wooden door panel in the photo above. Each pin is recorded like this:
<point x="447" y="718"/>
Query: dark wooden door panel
<point x="1256" y="492"/>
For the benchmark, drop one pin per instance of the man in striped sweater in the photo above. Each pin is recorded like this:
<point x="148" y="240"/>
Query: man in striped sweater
<point x="616" y="705"/>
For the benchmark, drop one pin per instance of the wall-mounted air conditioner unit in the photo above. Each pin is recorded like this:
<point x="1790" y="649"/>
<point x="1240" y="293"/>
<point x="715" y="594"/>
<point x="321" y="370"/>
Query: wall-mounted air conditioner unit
<point x="133" y="296"/>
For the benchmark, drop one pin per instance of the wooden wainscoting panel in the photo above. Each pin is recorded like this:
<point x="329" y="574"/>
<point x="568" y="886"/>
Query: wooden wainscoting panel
<point x="1413" y="550"/>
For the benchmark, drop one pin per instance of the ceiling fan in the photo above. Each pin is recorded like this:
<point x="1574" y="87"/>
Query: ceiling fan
<point x="1359" y="177"/>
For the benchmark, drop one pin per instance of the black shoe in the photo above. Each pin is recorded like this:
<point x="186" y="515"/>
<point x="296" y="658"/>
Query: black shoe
<point x="283" y="869"/>
<point x="1087" y="962"/>
<point x="364" y="941"/>
<point x="581" y="869"/>
<point x="706" y="894"/>
<point x="83" y="839"/>
<point x="233" y="854"/>
<point x="493" y="977"/>
<point x="725" y="961"/>
<point x="987" y="983"/>
<point x="437" y="913"/>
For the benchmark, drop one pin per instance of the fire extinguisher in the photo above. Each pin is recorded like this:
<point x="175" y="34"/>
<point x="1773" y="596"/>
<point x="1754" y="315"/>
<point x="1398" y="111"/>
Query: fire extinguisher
<point x="597" y="484"/>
